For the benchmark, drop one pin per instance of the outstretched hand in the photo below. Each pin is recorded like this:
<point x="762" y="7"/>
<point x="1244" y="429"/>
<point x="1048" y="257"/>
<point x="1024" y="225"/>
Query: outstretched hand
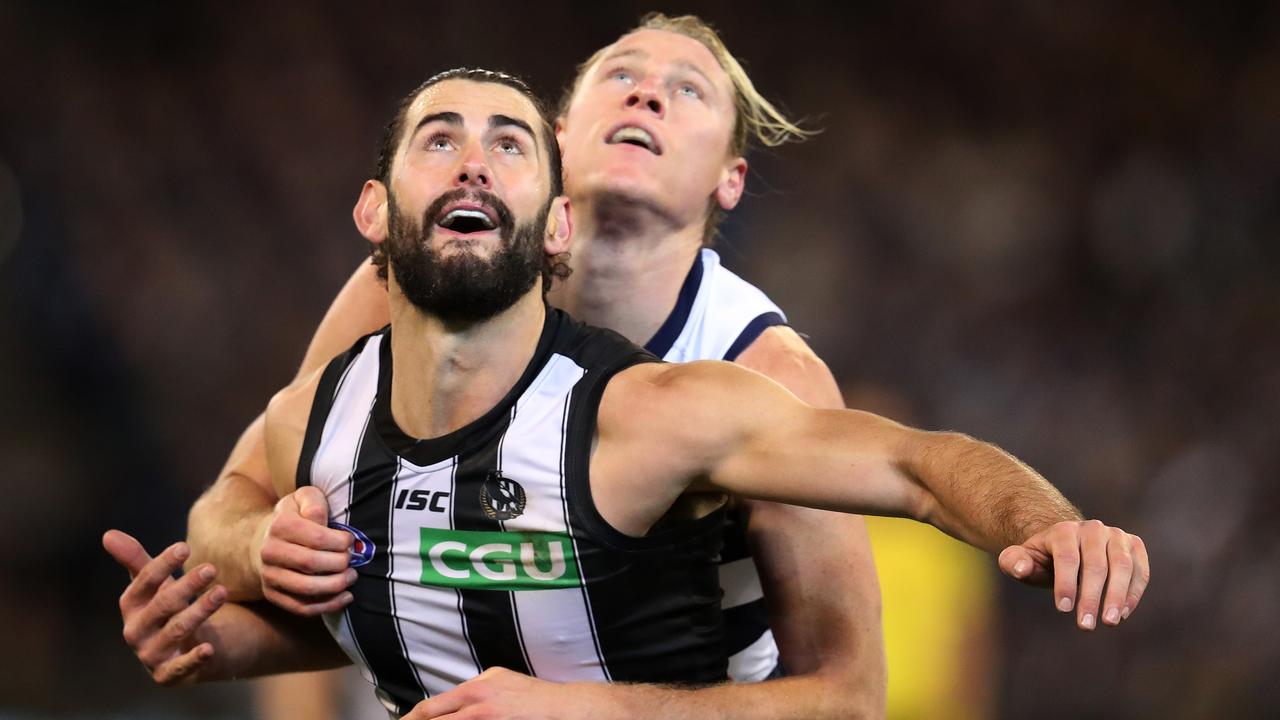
<point x="163" y="624"/>
<point x="1078" y="559"/>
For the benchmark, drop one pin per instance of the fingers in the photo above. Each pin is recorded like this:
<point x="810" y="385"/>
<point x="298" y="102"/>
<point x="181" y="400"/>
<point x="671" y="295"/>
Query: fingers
<point x="167" y="641"/>
<point x="1141" y="576"/>
<point x="439" y="706"/>
<point x="1120" y="561"/>
<point x="300" y="558"/>
<point x="152" y="576"/>
<point x="1026" y="564"/>
<point x="1065" y="549"/>
<point x="312" y="504"/>
<point x="175" y="598"/>
<point x="126" y="550"/>
<point x="289" y="525"/>
<point x="305" y="563"/>
<point x="143" y="623"/>
<point x="183" y="667"/>
<point x="1087" y="558"/>
<point x="1093" y="571"/>
<point x="307" y="595"/>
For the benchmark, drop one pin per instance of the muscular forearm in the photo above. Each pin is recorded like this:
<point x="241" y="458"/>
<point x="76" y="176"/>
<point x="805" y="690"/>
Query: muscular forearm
<point x="225" y="521"/>
<point x="221" y="530"/>
<point x="980" y="494"/>
<point x="260" y="639"/>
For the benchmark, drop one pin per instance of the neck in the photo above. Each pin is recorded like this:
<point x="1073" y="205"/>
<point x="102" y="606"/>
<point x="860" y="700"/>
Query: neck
<point x="629" y="261"/>
<point x="447" y="376"/>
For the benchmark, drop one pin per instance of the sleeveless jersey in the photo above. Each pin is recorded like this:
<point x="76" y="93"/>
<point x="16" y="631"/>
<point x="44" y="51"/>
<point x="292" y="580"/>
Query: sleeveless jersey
<point x="483" y="548"/>
<point x="716" y="317"/>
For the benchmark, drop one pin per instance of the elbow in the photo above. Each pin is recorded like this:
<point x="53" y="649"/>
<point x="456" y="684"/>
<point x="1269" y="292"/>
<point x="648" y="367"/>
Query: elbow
<point x="929" y="460"/>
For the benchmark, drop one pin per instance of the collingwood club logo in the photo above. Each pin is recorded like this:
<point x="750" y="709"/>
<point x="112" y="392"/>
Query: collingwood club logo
<point x="501" y="498"/>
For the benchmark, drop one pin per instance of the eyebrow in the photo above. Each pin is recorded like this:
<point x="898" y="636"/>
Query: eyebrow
<point x="453" y="118"/>
<point x="682" y="64"/>
<point x="497" y="121"/>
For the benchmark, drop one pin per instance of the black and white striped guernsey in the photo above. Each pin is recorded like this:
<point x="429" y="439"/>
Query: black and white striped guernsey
<point x="483" y="548"/>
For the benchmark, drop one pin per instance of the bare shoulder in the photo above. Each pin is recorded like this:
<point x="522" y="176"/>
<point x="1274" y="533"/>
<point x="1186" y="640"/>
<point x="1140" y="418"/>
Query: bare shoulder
<point x="286" y="424"/>
<point x="670" y="385"/>
<point x="782" y="355"/>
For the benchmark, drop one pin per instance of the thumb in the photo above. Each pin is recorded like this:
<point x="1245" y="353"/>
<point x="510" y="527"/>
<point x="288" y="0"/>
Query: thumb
<point x="312" y="504"/>
<point x="126" y="550"/>
<point x="1020" y="563"/>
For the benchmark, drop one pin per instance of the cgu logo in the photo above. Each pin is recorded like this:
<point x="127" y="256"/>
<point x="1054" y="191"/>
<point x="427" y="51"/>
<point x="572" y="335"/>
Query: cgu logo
<point x="498" y="560"/>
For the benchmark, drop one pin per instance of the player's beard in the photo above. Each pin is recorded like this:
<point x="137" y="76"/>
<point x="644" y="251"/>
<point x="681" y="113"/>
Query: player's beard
<point x="464" y="288"/>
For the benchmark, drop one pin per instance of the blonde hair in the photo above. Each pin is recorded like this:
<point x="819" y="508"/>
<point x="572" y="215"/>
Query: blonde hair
<point x="755" y="116"/>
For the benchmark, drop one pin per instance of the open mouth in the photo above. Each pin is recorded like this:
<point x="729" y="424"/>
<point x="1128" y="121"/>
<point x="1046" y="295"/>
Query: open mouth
<point x="632" y="135"/>
<point x="466" y="220"/>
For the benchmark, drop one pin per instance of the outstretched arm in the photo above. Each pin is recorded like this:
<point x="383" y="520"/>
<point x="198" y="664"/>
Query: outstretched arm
<point x="238" y="520"/>
<point x="735" y="431"/>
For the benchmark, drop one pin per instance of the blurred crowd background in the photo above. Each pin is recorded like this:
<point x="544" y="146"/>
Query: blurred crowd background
<point x="1055" y="226"/>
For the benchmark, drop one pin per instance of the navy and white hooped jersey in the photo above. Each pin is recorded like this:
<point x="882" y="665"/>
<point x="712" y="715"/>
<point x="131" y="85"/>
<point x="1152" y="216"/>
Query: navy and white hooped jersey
<point x="717" y="316"/>
<point x="483" y="548"/>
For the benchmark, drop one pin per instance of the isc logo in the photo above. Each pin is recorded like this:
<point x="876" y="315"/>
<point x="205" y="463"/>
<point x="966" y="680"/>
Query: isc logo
<point x="420" y="499"/>
<point x="497" y="560"/>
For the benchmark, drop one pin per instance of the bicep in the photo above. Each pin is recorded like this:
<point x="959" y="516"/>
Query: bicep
<point x="248" y="459"/>
<point x="284" y="428"/>
<point x="786" y="451"/>
<point x="359" y="309"/>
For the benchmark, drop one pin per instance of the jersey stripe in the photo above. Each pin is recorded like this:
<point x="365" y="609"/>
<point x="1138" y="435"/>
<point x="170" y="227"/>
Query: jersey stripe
<point x="431" y="618"/>
<point x="488" y="613"/>
<point x="562" y="644"/>
<point x="759" y="324"/>
<point x="667" y="335"/>
<point x="326" y="391"/>
<point x="372" y="612"/>
<point x="391" y="573"/>
<point x="515" y="608"/>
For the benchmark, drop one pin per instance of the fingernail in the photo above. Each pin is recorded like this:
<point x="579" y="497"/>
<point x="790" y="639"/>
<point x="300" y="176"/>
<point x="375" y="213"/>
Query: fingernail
<point x="182" y="552"/>
<point x="1064" y="604"/>
<point x="1087" y="621"/>
<point x="1124" y="614"/>
<point x="1020" y="568"/>
<point x="1113" y="616"/>
<point x="207" y="572"/>
<point x="351" y="575"/>
<point x="347" y="598"/>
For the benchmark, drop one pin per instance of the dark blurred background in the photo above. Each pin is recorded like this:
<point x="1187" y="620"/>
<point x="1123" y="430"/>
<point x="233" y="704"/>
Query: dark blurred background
<point x="1055" y="226"/>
